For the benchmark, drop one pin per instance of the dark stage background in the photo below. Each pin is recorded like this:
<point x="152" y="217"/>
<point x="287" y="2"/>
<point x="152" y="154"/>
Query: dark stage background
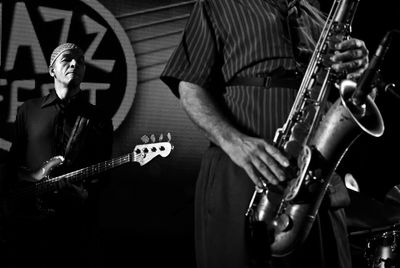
<point x="146" y="213"/>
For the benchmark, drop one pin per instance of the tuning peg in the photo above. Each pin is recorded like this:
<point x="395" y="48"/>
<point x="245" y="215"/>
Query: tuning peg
<point x="145" y="139"/>
<point x="161" y="137"/>
<point x="169" y="136"/>
<point x="152" y="138"/>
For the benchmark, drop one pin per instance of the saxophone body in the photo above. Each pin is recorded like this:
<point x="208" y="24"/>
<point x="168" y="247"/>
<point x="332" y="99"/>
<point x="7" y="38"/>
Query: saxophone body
<point x="315" y="137"/>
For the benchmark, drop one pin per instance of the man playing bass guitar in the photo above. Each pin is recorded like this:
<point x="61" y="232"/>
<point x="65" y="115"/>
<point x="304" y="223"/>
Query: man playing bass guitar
<point x="52" y="231"/>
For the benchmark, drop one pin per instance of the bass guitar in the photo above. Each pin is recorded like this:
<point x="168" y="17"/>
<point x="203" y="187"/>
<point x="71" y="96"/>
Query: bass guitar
<point x="25" y="198"/>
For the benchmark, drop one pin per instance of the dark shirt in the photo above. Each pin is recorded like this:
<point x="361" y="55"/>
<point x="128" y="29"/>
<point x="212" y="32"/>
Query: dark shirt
<point x="43" y="127"/>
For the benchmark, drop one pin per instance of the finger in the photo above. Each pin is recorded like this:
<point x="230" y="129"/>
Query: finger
<point x="350" y="65"/>
<point x="277" y="155"/>
<point x="355" y="75"/>
<point x="351" y="44"/>
<point x="269" y="168"/>
<point x="350" y="49"/>
<point x="269" y="171"/>
<point x="254" y="177"/>
<point x="349" y="55"/>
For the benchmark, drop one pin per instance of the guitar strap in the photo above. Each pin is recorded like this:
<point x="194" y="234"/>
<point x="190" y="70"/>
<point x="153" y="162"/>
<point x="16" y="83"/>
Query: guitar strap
<point x="76" y="139"/>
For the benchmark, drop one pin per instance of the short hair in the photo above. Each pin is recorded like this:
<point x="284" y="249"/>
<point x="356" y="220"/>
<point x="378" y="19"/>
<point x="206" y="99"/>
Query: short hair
<point x="60" y="49"/>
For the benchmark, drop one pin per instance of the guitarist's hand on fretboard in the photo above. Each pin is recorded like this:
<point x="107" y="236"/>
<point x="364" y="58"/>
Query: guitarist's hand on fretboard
<point x="41" y="188"/>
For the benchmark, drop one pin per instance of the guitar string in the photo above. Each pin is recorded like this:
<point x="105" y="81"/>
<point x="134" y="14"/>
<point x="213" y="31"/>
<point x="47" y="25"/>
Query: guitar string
<point x="49" y="184"/>
<point x="100" y="167"/>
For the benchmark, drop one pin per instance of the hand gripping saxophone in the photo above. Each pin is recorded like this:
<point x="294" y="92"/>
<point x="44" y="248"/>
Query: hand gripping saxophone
<point x="315" y="137"/>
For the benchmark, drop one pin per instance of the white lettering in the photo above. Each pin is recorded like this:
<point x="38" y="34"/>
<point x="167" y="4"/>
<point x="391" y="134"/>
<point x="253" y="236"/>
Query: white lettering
<point x="45" y="88"/>
<point x="51" y="14"/>
<point x="3" y="82"/>
<point x="14" y="103"/>
<point x="5" y="145"/>
<point x="93" y="87"/>
<point x="91" y="27"/>
<point x="23" y="34"/>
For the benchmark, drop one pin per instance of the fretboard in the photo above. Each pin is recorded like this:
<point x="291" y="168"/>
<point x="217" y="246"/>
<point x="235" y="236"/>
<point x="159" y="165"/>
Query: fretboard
<point x="56" y="183"/>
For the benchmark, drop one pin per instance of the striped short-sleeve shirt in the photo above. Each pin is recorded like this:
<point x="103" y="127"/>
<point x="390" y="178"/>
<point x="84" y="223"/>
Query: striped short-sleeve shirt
<point x="228" y="38"/>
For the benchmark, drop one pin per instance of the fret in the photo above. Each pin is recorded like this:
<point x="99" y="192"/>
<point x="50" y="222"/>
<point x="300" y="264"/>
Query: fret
<point x="79" y="175"/>
<point x="142" y="154"/>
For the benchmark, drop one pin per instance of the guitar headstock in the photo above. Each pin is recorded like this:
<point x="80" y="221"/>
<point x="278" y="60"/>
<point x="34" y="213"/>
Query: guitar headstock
<point x="144" y="153"/>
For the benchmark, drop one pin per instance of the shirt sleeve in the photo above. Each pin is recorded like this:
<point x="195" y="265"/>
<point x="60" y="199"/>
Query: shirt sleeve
<point x="197" y="57"/>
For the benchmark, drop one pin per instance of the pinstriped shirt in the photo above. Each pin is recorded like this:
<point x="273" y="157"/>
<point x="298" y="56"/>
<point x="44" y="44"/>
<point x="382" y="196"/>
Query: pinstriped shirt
<point x="228" y="38"/>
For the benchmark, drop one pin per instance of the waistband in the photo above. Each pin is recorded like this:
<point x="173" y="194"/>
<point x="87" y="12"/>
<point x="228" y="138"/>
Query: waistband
<point x="287" y="79"/>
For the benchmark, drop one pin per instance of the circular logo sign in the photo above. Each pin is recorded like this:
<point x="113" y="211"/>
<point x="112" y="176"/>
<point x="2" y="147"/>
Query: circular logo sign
<point x="30" y="30"/>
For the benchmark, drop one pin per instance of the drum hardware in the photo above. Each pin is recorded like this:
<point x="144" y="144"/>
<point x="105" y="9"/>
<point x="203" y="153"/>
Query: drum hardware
<point x="382" y="246"/>
<point x="383" y="250"/>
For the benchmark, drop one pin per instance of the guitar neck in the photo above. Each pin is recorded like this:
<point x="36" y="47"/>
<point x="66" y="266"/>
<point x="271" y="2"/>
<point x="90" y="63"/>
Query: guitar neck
<point x="141" y="154"/>
<point x="56" y="183"/>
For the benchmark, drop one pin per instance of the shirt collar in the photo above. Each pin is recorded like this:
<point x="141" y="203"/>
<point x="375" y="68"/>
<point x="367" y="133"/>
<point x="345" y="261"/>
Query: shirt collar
<point x="50" y="99"/>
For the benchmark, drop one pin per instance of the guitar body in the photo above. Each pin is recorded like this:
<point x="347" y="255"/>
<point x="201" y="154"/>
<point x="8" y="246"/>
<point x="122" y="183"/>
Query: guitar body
<point x="41" y="173"/>
<point x="21" y="203"/>
<point x="36" y="195"/>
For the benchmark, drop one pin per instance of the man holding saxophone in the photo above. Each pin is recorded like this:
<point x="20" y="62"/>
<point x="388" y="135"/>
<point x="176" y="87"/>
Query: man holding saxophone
<point x="236" y="72"/>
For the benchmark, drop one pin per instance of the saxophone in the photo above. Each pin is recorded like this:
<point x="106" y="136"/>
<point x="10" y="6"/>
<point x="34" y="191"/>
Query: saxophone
<point x="315" y="137"/>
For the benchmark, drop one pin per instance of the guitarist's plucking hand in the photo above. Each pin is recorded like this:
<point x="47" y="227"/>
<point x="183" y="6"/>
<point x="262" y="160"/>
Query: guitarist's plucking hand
<point x="65" y="124"/>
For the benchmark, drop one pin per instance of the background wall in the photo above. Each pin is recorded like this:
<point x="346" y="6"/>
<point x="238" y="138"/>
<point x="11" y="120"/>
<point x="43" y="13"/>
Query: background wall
<point x="369" y="159"/>
<point x="146" y="213"/>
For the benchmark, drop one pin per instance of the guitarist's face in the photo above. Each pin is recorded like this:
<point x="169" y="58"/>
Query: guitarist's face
<point x="68" y="71"/>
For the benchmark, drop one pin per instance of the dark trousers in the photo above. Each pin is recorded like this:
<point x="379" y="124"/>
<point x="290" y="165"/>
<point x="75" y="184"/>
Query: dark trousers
<point x="223" y="193"/>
